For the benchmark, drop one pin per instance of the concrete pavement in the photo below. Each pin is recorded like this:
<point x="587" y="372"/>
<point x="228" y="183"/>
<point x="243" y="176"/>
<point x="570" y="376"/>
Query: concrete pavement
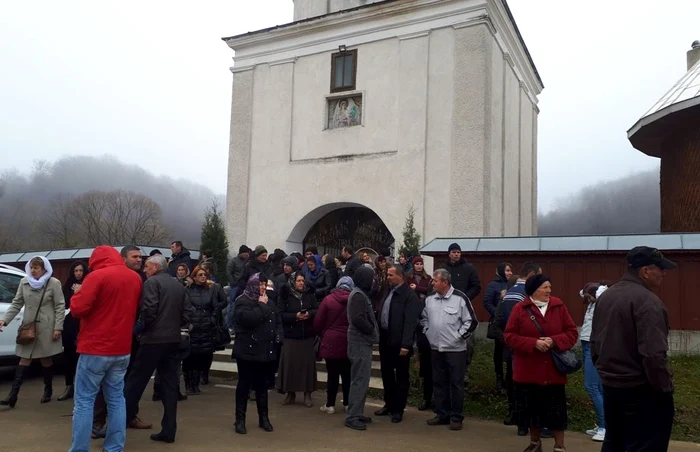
<point x="205" y="422"/>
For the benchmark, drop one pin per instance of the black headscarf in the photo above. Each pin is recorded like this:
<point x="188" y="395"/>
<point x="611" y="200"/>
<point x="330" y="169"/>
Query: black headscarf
<point x="68" y="286"/>
<point x="501" y="270"/>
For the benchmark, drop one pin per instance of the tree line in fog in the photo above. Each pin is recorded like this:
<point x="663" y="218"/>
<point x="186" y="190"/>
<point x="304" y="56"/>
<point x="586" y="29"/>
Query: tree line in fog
<point x="86" y="201"/>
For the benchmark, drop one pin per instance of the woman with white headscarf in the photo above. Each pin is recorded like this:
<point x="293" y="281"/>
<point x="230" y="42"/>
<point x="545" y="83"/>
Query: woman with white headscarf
<point x="43" y="302"/>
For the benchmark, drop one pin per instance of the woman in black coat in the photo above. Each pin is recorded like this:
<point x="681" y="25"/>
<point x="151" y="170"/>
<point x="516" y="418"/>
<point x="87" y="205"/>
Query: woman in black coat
<point x="254" y="349"/>
<point x="492" y="297"/>
<point x="207" y="301"/>
<point x="297" y="371"/>
<point x="317" y="277"/>
<point x="76" y="275"/>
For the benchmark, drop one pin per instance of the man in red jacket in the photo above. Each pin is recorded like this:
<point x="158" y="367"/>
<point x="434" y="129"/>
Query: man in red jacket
<point x="106" y="306"/>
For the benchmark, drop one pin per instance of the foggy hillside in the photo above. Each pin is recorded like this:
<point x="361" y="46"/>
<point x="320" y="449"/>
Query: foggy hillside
<point x="624" y="206"/>
<point x="27" y="197"/>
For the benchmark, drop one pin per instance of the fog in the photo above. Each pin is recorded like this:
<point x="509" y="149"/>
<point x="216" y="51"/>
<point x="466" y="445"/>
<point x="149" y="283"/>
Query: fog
<point x="626" y="206"/>
<point x="26" y="198"/>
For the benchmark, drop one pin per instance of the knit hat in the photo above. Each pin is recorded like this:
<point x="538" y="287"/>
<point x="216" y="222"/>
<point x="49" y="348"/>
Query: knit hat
<point x="260" y="250"/>
<point x="243" y="249"/>
<point x="454" y="246"/>
<point x="417" y="260"/>
<point x="534" y="283"/>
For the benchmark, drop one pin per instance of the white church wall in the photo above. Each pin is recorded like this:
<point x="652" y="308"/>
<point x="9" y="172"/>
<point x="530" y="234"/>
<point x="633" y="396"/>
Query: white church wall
<point x="493" y="152"/>
<point x="525" y="165"/>
<point x="468" y="131"/>
<point x="438" y="160"/>
<point x="442" y="130"/>
<point x="512" y="153"/>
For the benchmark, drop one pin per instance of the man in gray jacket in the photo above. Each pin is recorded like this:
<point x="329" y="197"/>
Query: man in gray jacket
<point x="448" y="321"/>
<point x="164" y="311"/>
<point x="363" y="333"/>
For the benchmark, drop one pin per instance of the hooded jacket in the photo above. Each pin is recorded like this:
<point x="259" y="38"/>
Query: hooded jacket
<point x="331" y="323"/>
<point x="363" y="327"/>
<point x="107" y="305"/>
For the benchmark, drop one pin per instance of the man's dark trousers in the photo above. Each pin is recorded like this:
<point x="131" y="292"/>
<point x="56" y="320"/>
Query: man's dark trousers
<point x="448" y="380"/>
<point x="637" y="419"/>
<point x="395" y="374"/>
<point x="164" y="359"/>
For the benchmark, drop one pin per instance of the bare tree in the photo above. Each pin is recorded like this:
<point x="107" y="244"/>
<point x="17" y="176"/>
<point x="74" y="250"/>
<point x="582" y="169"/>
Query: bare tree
<point x="118" y="217"/>
<point x="58" y="223"/>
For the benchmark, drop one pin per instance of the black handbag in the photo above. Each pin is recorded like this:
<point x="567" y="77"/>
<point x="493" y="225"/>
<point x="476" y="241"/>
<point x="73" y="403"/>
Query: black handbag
<point x="566" y="362"/>
<point x="491" y="331"/>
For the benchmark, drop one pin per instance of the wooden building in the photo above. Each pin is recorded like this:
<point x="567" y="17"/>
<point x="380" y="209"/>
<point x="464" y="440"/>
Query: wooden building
<point x="573" y="261"/>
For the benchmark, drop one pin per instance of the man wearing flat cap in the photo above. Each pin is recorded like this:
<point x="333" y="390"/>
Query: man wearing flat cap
<point x="629" y="346"/>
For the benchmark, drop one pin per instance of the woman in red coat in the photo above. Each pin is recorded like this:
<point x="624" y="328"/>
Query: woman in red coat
<point x="540" y="389"/>
<point x="331" y="323"/>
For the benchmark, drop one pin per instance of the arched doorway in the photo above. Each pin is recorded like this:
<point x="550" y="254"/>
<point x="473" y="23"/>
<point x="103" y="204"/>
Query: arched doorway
<point x="358" y="227"/>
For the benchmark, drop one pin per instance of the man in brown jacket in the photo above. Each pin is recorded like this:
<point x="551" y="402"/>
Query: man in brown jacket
<point x="629" y="345"/>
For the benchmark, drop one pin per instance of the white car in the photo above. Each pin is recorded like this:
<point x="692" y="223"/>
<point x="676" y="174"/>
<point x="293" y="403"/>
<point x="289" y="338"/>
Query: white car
<point x="9" y="282"/>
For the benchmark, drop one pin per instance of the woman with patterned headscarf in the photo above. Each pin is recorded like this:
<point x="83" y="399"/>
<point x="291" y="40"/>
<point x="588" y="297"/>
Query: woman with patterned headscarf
<point x="254" y="349"/>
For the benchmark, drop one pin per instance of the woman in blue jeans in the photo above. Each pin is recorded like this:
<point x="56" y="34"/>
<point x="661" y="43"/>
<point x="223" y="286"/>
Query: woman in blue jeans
<point x="590" y="293"/>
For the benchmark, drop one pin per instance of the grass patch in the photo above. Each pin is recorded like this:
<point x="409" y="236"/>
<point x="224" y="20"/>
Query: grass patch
<point x="484" y="401"/>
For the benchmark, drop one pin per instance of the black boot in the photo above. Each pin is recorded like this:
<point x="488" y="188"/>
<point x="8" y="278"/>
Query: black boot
<point x="204" y="379"/>
<point x="67" y="394"/>
<point x="48" y="384"/>
<point x="189" y="390"/>
<point x="196" y="375"/>
<point x="11" y="399"/>
<point x="263" y="419"/>
<point x="239" y="426"/>
<point x="156" y="392"/>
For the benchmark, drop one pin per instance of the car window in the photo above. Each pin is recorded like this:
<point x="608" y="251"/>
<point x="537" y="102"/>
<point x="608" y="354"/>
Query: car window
<point x="8" y="287"/>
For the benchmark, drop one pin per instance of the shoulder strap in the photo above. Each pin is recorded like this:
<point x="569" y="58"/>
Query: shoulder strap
<point x="534" y="320"/>
<point x="43" y="292"/>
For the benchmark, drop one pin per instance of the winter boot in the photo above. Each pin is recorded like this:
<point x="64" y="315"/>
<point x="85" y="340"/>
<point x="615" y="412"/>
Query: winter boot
<point x="196" y="376"/>
<point x="11" y="399"/>
<point x="180" y="395"/>
<point x="67" y="394"/>
<point x="189" y="389"/>
<point x="204" y="378"/>
<point x="263" y="419"/>
<point x="241" y="407"/>
<point x="48" y="384"/>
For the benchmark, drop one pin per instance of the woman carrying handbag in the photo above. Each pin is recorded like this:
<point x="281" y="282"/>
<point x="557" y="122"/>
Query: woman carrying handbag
<point x="39" y="337"/>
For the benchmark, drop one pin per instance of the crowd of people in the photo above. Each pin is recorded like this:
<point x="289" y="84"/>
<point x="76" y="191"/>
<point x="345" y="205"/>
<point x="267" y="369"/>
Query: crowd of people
<point x="130" y="318"/>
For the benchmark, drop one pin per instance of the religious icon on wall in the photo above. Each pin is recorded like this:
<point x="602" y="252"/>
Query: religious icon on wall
<point x="344" y="112"/>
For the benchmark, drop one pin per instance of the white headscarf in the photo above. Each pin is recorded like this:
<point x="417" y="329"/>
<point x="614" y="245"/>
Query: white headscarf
<point x="41" y="282"/>
<point x="600" y="291"/>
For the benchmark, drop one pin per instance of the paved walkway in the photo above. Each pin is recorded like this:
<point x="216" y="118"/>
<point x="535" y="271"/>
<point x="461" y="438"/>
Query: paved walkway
<point x="205" y="423"/>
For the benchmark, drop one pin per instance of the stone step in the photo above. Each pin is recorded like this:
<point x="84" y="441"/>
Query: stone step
<point x="229" y="370"/>
<point x="375" y="347"/>
<point x="224" y="356"/>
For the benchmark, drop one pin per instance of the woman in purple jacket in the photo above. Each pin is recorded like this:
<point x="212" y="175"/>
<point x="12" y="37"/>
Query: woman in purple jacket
<point x="331" y="323"/>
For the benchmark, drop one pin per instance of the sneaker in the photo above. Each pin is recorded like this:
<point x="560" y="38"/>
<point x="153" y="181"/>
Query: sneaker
<point x="600" y="436"/>
<point x="559" y="449"/>
<point x="328" y="409"/>
<point x="547" y="433"/>
<point x="345" y="407"/>
<point x="593" y="431"/>
<point x="355" y="425"/>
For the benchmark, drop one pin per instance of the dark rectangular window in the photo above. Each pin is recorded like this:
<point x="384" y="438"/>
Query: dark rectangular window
<point x="343" y="71"/>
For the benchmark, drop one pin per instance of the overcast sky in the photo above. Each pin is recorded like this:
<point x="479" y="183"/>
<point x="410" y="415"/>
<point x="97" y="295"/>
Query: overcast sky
<point x="149" y="82"/>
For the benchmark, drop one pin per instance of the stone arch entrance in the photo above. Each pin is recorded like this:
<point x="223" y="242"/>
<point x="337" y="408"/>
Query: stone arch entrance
<point x="333" y="226"/>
